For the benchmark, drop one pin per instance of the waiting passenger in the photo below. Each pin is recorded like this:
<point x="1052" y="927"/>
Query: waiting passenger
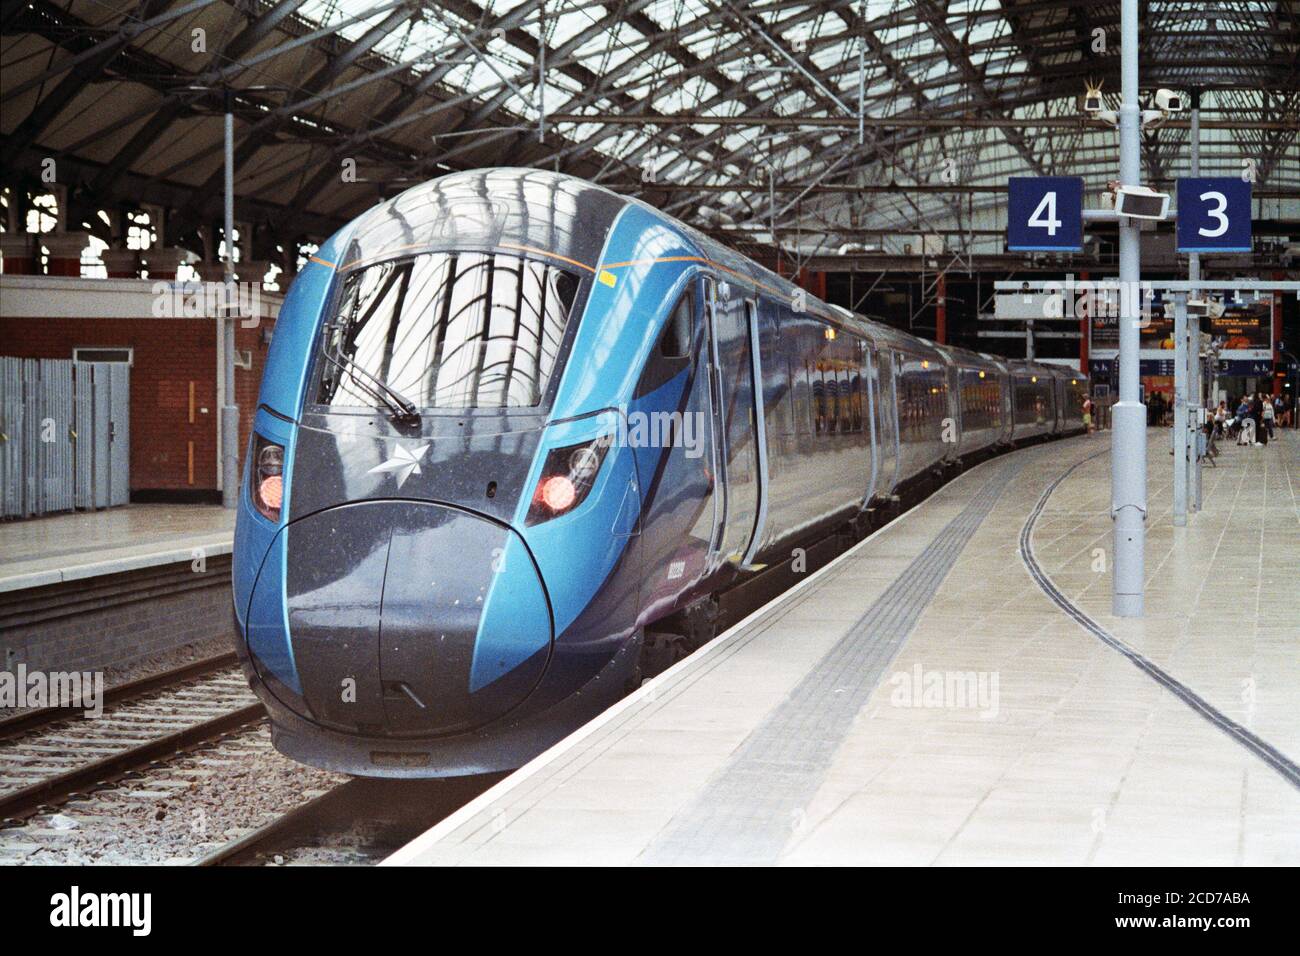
<point x="1257" y="416"/>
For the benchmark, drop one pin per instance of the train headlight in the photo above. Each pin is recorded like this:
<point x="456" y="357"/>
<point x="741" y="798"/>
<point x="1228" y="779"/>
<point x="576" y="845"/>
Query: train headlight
<point x="268" y="477"/>
<point x="557" y="493"/>
<point x="567" y="478"/>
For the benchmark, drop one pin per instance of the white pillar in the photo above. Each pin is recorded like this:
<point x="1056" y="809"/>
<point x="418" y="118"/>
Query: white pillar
<point x="1128" y="439"/>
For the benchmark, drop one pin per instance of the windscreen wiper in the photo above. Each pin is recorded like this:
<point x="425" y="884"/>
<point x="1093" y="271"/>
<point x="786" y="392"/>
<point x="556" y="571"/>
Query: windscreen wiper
<point x="400" y="408"/>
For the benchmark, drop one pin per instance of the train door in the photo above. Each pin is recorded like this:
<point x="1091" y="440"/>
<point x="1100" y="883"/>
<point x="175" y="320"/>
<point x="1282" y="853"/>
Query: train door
<point x="762" y="473"/>
<point x="885" y="409"/>
<point x="736" y="418"/>
<point x="866" y="364"/>
<point x="954" y="434"/>
<point x="1008" y="407"/>
<point x="678" y="469"/>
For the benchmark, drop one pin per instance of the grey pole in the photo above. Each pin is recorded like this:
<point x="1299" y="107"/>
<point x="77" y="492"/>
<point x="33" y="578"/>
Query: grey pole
<point x="1194" y="325"/>
<point x="541" y="74"/>
<point x="1180" y="409"/>
<point x="1128" y="435"/>
<point x="229" y="411"/>
<point x="1195" y="410"/>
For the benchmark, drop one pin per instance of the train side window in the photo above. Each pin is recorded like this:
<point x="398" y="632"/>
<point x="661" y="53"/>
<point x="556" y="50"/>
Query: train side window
<point x="672" y="354"/>
<point x="676" y="340"/>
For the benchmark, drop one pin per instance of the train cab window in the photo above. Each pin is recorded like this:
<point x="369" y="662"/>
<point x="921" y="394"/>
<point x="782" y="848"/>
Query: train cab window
<point x="672" y="354"/>
<point x="447" y="330"/>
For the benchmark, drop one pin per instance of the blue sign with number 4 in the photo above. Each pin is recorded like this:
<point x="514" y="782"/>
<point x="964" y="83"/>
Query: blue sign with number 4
<point x="1045" y="213"/>
<point x="1213" y="214"/>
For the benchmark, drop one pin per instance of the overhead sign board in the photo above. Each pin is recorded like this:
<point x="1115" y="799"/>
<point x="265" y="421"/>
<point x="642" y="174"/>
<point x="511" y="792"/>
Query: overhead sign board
<point x="1045" y="214"/>
<point x="1213" y="214"/>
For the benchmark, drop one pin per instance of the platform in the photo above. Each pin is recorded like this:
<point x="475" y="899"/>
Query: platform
<point x="69" y="547"/>
<point x="954" y="690"/>
<point x="113" y="590"/>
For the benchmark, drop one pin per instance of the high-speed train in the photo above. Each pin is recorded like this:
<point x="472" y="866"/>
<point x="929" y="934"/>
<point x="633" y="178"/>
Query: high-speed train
<point x="515" y="428"/>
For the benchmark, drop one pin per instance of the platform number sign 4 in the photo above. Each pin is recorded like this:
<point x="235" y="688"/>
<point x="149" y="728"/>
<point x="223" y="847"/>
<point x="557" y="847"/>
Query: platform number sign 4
<point x="1045" y="213"/>
<point x="1213" y="214"/>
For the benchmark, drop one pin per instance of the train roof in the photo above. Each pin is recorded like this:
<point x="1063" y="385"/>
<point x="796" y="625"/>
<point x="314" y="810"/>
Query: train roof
<point x="569" y="218"/>
<point x="531" y="209"/>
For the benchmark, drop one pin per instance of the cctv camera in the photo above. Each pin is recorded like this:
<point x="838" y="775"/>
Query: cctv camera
<point x="1141" y="203"/>
<point x="1169" y="101"/>
<point x="1092" y="102"/>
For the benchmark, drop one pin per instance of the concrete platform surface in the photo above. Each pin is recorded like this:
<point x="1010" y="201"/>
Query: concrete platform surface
<point x="954" y="690"/>
<point x="70" y="547"/>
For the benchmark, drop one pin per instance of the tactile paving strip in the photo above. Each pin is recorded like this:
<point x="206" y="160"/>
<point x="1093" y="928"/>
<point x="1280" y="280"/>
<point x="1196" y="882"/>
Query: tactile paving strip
<point x="749" y="809"/>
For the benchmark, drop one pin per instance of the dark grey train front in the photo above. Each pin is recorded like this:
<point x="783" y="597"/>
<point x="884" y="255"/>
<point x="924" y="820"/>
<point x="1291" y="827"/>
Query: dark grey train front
<point x="508" y="443"/>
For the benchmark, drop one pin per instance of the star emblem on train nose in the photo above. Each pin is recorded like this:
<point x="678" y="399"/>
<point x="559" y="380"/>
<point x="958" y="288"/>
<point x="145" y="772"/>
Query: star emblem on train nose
<point x="404" y="463"/>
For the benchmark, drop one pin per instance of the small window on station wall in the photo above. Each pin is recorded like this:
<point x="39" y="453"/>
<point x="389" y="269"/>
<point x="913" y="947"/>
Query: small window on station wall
<point x="125" y="355"/>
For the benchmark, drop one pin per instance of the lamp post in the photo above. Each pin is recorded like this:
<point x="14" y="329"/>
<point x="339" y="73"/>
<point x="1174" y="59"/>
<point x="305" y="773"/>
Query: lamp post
<point x="229" y="415"/>
<point x="230" y="410"/>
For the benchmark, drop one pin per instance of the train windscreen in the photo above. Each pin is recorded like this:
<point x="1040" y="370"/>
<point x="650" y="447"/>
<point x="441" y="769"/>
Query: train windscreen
<point x="448" y="330"/>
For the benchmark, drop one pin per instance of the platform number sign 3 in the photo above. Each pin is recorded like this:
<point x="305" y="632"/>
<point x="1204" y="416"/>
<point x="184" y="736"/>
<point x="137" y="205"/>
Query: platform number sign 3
<point x="1213" y="214"/>
<point x="1045" y="213"/>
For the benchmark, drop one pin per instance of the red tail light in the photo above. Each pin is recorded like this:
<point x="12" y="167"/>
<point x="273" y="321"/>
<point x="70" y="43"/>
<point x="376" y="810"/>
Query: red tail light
<point x="567" y="477"/>
<point x="267" y="477"/>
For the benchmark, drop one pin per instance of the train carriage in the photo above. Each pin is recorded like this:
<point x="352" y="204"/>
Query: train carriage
<point x="515" y="428"/>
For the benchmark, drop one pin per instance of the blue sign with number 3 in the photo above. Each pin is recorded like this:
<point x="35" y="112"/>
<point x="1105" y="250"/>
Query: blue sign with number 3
<point x="1213" y="214"/>
<point x="1045" y="213"/>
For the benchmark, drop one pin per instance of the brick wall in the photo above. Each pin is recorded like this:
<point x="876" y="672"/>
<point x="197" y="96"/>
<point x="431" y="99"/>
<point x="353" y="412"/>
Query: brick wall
<point x="117" y="619"/>
<point x="171" y="357"/>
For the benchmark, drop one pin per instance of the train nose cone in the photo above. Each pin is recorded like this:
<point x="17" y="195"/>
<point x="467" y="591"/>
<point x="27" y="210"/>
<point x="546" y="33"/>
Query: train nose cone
<point x="412" y="619"/>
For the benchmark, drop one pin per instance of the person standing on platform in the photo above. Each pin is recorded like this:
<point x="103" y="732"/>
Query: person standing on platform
<point x="1242" y="420"/>
<point x="1087" y="416"/>
<point x="1257" y="415"/>
<point x="1270" y="416"/>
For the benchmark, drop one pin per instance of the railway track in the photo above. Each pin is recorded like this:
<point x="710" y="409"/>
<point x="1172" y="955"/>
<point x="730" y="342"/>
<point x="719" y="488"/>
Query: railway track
<point x="52" y="755"/>
<point x="357" y="823"/>
<point x="30" y="720"/>
<point x="180" y="744"/>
